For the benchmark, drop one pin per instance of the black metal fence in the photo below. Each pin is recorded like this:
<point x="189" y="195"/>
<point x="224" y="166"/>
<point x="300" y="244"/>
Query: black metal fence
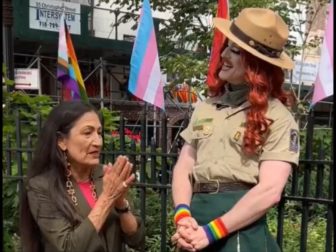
<point x="309" y="193"/>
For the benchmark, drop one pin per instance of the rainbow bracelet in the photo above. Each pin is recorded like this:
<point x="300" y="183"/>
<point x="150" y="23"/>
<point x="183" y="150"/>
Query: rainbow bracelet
<point x="181" y="211"/>
<point x="215" y="230"/>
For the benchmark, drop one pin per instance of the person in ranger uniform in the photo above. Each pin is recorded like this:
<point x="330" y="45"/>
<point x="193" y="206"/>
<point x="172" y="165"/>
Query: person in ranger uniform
<point x="240" y="144"/>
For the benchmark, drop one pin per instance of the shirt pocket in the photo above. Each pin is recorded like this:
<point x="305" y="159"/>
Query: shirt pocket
<point x="237" y="142"/>
<point x="202" y="131"/>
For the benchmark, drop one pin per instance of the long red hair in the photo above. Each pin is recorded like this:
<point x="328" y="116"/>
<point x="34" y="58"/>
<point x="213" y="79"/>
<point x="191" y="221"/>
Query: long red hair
<point x="265" y="80"/>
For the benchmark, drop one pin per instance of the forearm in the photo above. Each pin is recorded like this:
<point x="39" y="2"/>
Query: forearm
<point x="252" y="206"/>
<point x="128" y="222"/>
<point x="133" y="230"/>
<point x="100" y="211"/>
<point x="255" y="203"/>
<point x="181" y="184"/>
<point x="131" y="226"/>
<point x="181" y="187"/>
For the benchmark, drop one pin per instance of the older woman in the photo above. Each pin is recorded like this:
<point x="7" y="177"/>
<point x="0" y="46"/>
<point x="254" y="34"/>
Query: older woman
<point x="241" y="143"/>
<point x="73" y="203"/>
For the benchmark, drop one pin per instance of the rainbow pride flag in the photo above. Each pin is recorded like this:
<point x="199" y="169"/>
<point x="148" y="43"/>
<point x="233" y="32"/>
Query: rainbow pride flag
<point x="145" y="80"/>
<point x="325" y="77"/>
<point x="68" y="72"/>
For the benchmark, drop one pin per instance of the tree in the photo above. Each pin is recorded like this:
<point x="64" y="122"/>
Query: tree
<point x="190" y="28"/>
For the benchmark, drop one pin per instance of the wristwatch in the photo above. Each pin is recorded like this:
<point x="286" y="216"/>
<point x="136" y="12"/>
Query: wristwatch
<point x="125" y="209"/>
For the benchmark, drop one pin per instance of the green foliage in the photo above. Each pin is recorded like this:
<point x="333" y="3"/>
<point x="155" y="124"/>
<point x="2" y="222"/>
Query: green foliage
<point x="110" y="122"/>
<point x="26" y="108"/>
<point x="321" y="150"/>
<point x="10" y="206"/>
<point x="322" y="140"/>
<point x="111" y="119"/>
<point x="180" y="66"/>
<point x="23" y="109"/>
<point x="316" y="231"/>
<point x="5" y="78"/>
<point x="153" y="220"/>
<point x="17" y="105"/>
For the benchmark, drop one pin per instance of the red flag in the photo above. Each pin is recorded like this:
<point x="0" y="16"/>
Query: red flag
<point x="217" y="43"/>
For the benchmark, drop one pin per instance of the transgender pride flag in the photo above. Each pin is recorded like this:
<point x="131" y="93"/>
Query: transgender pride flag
<point x="325" y="77"/>
<point x="145" y="80"/>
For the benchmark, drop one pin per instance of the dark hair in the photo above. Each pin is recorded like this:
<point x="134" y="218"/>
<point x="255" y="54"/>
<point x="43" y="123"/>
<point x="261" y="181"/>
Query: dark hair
<point x="49" y="160"/>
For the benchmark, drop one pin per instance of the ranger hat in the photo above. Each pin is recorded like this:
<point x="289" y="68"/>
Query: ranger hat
<point x="261" y="32"/>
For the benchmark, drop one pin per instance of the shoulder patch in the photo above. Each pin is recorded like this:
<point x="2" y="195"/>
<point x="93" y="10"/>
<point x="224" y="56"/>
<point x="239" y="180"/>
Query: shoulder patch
<point x="294" y="140"/>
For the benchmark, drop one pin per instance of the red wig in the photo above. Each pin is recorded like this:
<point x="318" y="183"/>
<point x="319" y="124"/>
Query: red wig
<point x="265" y="80"/>
<point x="218" y="88"/>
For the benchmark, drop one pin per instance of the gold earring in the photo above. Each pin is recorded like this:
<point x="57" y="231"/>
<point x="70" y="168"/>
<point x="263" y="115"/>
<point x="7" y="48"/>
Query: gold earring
<point x="66" y="159"/>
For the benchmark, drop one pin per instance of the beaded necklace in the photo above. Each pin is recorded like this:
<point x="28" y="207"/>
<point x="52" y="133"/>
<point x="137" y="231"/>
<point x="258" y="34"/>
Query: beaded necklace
<point x="71" y="190"/>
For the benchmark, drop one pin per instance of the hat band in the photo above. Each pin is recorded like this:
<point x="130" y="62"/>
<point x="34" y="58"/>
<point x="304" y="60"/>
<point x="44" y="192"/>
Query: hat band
<point x="270" y="52"/>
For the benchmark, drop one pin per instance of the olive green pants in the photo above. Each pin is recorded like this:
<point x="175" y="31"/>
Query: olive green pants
<point x="253" y="238"/>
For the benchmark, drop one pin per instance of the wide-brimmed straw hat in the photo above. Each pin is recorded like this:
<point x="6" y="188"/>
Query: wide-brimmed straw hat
<point x="261" y="32"/>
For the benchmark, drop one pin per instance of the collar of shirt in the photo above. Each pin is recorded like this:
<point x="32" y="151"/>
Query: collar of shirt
<point x="234" y="96"/>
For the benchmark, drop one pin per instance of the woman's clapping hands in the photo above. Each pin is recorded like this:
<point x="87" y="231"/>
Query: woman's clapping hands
<point x="117" y="179"/>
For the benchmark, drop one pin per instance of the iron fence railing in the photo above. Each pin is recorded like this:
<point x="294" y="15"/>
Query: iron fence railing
<point x="310" y="185"/>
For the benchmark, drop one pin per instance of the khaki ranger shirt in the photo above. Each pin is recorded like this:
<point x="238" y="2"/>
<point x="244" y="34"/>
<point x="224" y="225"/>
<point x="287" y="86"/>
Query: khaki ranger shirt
<point x="216" y="131"/>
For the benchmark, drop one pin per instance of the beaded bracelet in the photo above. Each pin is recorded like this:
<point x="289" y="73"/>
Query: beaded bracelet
<point x="215" y="230"/>
<point x="181" y="211"/>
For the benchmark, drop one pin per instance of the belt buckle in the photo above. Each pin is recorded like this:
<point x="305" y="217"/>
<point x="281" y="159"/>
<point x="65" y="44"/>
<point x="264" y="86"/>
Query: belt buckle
<point x="217" y="190"/>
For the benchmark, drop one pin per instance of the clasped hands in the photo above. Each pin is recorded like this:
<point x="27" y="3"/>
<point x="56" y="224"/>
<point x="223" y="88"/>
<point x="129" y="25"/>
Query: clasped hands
<point x="189" y="235"/>
<point x="117" y="179"/>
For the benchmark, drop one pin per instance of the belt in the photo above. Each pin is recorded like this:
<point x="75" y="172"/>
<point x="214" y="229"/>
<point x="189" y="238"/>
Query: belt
<point x="216" y="186"/>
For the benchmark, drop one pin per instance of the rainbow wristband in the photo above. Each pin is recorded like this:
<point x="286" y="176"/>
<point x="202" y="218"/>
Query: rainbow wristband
<point x="181" y="211"/>
<point x="215" y="230"/>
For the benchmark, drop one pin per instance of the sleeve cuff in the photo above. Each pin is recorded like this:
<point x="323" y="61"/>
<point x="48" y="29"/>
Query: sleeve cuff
<point x="187" y="138"/>
<point x="292" y="158"/>
<point x="136" y="240"/>
<point x="86" y="229"/>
